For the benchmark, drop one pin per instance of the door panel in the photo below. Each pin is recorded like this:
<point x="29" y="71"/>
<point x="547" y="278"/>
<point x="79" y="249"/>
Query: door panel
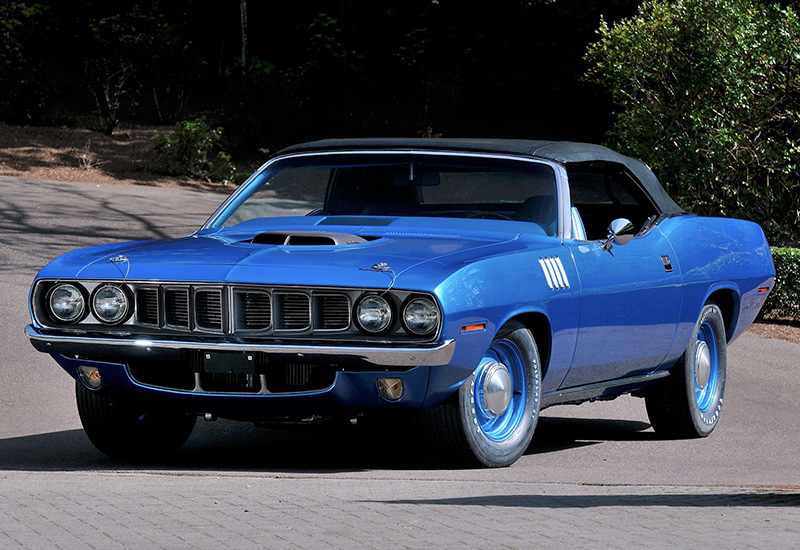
<point x="629" y="308"/>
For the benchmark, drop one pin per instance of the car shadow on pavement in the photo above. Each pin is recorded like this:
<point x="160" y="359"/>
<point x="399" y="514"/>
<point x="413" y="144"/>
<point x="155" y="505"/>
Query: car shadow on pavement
<point x="650" y="499"/>
<point x="556" y="433"/>
<point x="338" y="447"/>
<point x="234" y="446"/>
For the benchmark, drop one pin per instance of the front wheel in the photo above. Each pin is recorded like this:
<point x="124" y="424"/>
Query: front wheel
<point x="687" y="404"/>
<point x="124" y="429"/>
<point x="490" y="420"/>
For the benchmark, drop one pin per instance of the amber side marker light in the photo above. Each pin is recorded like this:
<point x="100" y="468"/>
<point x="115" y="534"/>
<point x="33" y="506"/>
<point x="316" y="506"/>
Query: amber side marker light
<point x="473" y="328"/>
<point x="763" y="289"/>
<point x="90" y="377"/>
<point x="390" y="389"/>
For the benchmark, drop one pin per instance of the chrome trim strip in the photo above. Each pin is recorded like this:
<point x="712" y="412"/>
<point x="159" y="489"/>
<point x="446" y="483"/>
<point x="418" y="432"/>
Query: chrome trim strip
<point x="546" y="273"/>
<point x="389" y="357"/>
<point x="553" y="263"/>
<point x="561" y="270"/>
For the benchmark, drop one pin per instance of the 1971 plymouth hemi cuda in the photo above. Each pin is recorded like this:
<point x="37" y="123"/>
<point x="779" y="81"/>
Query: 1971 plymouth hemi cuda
<point x="476" y="281"/>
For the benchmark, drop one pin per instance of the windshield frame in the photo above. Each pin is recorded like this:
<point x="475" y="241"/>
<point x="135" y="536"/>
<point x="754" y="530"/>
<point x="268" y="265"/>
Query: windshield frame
<point x="254" y="182"/>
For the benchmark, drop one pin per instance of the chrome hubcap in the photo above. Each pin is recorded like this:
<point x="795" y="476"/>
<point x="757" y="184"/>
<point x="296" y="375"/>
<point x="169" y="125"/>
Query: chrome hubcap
<point x="702" y="364"/>
<point x="497" y="388"/>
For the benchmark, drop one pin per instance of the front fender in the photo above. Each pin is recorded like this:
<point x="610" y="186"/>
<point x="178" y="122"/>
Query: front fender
<point x="493" y="291"/>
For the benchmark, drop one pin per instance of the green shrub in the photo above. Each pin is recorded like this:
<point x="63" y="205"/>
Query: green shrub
<point x="784" y="300"/>
<point x="708" y="94"/>
<point x="194" y="149"/>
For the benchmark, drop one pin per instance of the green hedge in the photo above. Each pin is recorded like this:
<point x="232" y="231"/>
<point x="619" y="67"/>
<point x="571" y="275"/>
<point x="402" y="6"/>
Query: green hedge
<point x="784" y="300"/>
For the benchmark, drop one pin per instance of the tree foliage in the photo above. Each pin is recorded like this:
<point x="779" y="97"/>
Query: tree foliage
<point x="784" y="299"/>
<point x="708" y="92"/>
<point x="193" y="149"/>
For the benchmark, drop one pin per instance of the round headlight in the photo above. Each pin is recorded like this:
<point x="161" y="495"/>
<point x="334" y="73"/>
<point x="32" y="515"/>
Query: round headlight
<point x="421" y="316"/>
<point x="67" y="303"/>
<point x="374" y="314"/>
<point x="110" y="304"/>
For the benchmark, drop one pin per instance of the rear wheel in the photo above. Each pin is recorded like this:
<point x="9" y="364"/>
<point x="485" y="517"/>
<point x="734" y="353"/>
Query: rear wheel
<point x="687" y="404"/>
<point x="124" y="429"/>
<point x="491" y="419"/>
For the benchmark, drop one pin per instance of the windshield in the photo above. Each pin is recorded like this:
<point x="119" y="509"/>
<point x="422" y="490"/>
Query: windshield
<point x="403" y="184"/>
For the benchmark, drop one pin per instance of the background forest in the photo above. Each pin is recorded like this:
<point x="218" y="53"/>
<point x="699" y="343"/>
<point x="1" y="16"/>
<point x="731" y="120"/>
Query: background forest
<point x="312" y="68"/>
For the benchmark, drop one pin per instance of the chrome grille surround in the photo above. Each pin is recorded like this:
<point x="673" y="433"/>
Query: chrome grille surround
<point x="235" y="311"/>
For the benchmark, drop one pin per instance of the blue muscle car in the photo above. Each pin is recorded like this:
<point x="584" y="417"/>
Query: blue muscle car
<point x="474" y="281"/>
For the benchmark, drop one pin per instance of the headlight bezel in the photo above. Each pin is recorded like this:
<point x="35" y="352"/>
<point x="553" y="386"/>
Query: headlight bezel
<point x="120" y="318"/>
<point x="385" y="326"/>
<point x="82" y="312"/>
<point x="428" y="303"/>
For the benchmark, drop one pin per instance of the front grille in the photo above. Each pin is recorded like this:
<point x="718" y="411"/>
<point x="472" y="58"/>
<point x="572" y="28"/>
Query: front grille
<point x="242" y="309"/>
<point x="240" y="313"/>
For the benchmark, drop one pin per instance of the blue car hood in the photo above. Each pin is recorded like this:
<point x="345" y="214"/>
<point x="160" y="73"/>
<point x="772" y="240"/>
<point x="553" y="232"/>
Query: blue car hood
<point x="409" y="259"/>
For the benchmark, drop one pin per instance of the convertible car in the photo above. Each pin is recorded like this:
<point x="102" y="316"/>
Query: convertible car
<point x="475" y="282"/>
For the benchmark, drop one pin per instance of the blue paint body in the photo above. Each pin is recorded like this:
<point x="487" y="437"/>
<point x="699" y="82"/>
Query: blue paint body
<point x="620" y="314"/>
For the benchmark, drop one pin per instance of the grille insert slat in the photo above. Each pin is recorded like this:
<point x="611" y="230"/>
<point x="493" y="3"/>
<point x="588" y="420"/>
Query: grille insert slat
<point x="294" y="311"/>
<point x="208" y="309"/>
<point x="332" y="312"/>
<point x="254" y="310"/>
<point x="147" y="305"/>
<point x="176" y="307"/>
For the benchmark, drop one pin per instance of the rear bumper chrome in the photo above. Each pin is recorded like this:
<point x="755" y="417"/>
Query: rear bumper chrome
<point x="424" y="356"/>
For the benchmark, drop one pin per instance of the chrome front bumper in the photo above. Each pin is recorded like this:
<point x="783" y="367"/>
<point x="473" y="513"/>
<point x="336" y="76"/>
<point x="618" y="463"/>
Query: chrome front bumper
<point x="427" y="356"/>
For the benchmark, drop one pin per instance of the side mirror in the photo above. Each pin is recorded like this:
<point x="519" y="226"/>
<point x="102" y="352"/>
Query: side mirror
<point x="620" y="232"/>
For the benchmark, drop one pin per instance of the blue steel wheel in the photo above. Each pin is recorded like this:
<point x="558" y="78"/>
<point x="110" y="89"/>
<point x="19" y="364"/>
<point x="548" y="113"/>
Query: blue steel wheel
<point x="123" y="429"/>
<point x="706" y="366"/>
<point x="688" y="403"/>
<point x="499" y="390"/>
<point x="490" y="421"/>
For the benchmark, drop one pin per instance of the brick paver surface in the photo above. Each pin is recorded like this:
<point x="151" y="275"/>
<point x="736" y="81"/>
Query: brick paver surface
<point x="72" y="510"/>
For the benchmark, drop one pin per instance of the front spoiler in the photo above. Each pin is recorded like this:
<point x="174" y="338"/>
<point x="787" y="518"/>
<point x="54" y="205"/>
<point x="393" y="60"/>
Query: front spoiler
<point x="70" y="345"/>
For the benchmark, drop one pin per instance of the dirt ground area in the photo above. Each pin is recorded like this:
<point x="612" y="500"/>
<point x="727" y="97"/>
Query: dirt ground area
<point x="74" y="154"/>
<point x="787" y="332"/>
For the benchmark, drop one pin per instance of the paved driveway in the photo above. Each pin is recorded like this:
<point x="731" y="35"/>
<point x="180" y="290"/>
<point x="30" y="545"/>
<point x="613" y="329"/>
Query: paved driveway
<point x="594" y="477"/>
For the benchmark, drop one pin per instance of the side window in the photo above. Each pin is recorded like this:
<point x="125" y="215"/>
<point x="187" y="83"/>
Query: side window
<point x="603" y="192"/>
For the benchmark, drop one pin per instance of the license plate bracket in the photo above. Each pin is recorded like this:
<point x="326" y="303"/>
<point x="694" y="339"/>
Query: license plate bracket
<point x="228" y="362"/>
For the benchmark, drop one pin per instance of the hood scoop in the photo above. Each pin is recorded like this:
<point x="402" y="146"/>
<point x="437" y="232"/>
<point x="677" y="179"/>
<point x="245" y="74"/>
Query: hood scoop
<point x="308" y="238"/>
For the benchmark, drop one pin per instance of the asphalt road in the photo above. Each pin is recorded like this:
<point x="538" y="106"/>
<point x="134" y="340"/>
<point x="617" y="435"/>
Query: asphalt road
<point x="594" y="476"/>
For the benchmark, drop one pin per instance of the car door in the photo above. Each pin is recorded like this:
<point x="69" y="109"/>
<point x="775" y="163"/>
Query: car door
<point x="630" y="293"/>
<point x="630" y="303"/>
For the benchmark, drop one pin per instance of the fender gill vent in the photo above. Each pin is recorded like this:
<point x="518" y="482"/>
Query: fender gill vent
<point x="554" y="273"/>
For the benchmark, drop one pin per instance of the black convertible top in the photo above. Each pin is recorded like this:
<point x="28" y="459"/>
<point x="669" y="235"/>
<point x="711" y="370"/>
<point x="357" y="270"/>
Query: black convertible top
<point x="563" y="152"/>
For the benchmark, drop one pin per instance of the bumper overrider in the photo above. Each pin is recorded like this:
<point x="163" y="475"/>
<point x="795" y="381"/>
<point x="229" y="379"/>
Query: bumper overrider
<point x="246" y="379"/>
